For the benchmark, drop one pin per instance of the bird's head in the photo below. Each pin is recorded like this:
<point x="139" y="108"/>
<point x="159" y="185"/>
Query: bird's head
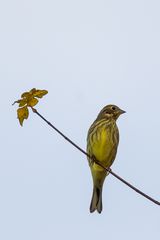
<point x="110" y="112"/>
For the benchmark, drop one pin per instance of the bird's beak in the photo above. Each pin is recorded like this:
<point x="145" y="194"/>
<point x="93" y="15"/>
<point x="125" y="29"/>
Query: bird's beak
<point x="122" y="111"/>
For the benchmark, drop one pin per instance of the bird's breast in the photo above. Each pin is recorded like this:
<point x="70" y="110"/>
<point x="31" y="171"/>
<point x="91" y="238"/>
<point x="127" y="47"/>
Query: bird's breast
<point x="105" y="142"/>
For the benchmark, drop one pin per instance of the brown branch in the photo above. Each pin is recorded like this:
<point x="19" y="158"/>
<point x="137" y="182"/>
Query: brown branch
<point x="97" y="162"/>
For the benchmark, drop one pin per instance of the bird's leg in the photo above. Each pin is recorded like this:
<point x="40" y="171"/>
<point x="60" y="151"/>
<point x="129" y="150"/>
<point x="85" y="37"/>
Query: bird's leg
<point x="92" y="160"/>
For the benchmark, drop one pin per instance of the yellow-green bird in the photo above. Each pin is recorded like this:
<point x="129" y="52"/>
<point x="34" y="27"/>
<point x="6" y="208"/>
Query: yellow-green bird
<point x="102" y="144"/>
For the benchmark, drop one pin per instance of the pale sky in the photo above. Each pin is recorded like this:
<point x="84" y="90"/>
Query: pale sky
<point x="87" y="54"/>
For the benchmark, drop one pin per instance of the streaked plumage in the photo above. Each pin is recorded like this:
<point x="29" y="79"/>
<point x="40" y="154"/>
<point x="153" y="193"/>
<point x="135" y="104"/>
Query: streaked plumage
<point x="102" y="144"/>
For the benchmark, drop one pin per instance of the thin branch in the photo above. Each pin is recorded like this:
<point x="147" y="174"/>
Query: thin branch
<point x="97" y="162"/>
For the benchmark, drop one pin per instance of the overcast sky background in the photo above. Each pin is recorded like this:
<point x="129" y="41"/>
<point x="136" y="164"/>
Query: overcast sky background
<point x="86" y="54"/>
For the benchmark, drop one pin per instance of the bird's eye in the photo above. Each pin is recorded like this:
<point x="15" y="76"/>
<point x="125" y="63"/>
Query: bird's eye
<point x="113" y="108"/>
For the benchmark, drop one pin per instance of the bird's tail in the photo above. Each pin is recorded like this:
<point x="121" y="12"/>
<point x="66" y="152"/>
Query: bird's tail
<point x="96" y="202"/>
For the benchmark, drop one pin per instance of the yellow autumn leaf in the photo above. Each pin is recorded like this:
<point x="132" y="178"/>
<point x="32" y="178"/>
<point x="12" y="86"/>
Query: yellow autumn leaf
<point x="40" y="93"/>
<point x="32" y="102"/>
<point x="28" y="99"/>
<point x="33" y="90"/>
<point x="25" y="95"/>
<point x="22" y="102"/>
<point x="22" y="113"/>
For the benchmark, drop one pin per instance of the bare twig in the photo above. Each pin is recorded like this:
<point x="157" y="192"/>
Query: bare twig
<point x="97" y="162"/>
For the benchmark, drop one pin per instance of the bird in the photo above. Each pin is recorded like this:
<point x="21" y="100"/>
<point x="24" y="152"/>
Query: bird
<point x="102" y="144"/>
